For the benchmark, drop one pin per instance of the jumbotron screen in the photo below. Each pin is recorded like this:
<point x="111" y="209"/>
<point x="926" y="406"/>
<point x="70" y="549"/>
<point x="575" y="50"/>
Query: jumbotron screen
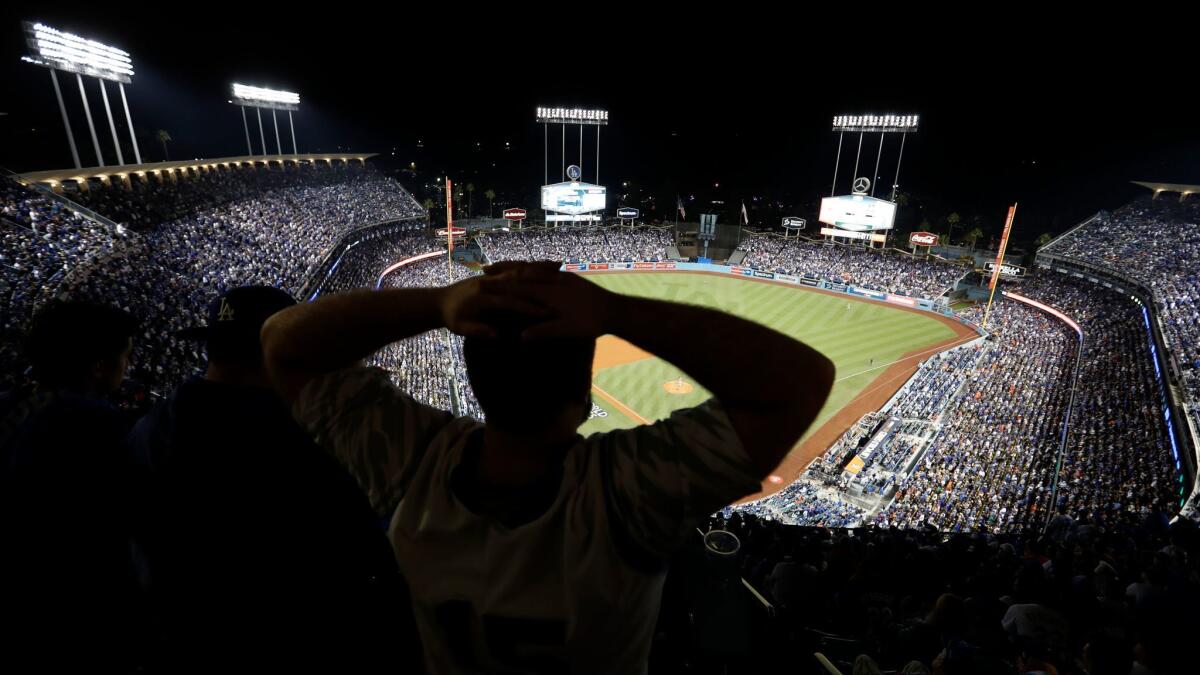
<point x="858" y="212"/>
<point x="573" y="198"/>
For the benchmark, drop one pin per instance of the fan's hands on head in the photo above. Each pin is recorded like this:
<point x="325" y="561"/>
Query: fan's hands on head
<point x="574" y="307"/>
<point x="471" y="306"/>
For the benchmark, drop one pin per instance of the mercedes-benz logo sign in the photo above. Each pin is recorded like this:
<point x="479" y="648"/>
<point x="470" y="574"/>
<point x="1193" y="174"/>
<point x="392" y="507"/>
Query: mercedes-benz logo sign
<point x="573" y="172"/>
<point x="861" y="185"/>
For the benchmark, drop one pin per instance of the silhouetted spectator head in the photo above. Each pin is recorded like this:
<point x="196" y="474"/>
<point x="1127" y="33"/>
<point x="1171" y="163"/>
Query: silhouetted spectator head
<point x="235" y="319"/>
<point x="529" y="388"/>
<point x="949" y="613"/>
<point x="80" y="346"/>
<point x="1107" y="652"/>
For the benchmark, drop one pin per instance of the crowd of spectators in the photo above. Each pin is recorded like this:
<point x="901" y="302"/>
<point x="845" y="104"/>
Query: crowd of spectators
<point x="840" y="263"/>
<point x="40" y="242"/>
<point x="1157" y="242"/>
<point x="429" y="366"/>
<point x="582" y="243"/>
<point x="1118" y="458"/>
<point x="991" y="465"/>
<point x="227" y="229"/>
<point x="364" y="258"/>
<point x="987" y="418"/>
<point x="804" y="503"/>
<point x="1082" y="597"/>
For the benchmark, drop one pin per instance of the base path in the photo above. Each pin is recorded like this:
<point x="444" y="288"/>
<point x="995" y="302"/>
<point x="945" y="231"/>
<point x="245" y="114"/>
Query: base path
<point x="613" y="351"/>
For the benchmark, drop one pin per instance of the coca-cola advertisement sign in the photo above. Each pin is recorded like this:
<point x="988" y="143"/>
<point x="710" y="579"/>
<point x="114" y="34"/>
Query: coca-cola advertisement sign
<point x="923" y="239"/>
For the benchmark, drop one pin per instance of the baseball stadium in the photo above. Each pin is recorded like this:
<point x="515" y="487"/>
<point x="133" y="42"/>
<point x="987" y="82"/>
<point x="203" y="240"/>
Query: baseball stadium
<point x="1003" y="475"/>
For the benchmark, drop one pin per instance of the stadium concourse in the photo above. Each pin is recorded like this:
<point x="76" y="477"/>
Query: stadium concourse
<point x="1018" y="486"/>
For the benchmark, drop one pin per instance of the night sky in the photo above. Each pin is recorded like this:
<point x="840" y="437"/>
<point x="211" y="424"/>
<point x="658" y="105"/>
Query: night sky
<point x="1055" y="113"/>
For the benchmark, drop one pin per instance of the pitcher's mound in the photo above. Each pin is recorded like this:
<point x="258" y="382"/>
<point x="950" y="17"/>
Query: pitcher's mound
<point x="678" y="387"/>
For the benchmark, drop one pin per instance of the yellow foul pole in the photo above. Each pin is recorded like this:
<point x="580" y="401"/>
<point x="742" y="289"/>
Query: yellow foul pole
<point x="449" y="235"/>
<point x="1012" y="211"/>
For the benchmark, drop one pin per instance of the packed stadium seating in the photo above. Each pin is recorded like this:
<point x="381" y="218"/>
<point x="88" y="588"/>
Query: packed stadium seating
<point x="575" y="244"/>
<point x="1081" y="597"/>
<point x="188" y="239"/>
<point x="988" y="420"/>
<point x="1119" y="457"/>
<point x="40" y="241"/>
<point x="1157" y="243"/>
<point x="880" y="270"/>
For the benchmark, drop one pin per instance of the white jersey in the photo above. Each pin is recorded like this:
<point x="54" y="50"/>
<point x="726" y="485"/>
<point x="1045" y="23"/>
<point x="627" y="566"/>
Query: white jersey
<point x="578" y="588"/>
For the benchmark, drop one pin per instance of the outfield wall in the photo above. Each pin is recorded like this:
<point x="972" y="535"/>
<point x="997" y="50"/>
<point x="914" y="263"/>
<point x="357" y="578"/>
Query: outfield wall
<point x="807" y="282"/>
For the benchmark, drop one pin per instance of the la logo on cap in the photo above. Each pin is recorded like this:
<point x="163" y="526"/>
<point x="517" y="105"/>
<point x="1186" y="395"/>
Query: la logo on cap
<point x="226" y="312"/>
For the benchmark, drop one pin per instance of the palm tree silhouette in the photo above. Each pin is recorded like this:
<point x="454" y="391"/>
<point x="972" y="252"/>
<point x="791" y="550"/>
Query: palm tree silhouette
<point x="952" y="220"/>
<point x="974" y="236"/>
<point x="163" y="137"/>
<point x="491" y="197"/>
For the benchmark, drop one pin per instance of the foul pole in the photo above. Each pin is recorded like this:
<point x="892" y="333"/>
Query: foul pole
<point x="449" y="235"/>
<point x="1012" y="211"/>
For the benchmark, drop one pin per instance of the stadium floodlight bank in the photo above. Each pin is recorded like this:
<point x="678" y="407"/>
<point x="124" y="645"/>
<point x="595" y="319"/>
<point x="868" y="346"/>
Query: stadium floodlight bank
<point x="271" y="99"/>
<point x="259" y="97"/>
<point x="54" y="48"/>
<point x="877" y="123"/>
<point x="872" y="124"/>
<point x="572" y="116"/>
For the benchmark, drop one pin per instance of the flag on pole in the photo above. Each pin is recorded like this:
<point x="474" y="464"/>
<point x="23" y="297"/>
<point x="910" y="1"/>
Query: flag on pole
<point x="679" y="206"/>
<point x="745" y="216"/>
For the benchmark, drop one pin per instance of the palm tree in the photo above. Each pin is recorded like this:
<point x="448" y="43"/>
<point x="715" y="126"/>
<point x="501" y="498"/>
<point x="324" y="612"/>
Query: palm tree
<point x="163" y="137"/>
<point x="428" y="204"/>
<point x="974" y="236"/>
<point x="1042" y="240"/>
<point x="952" y="220"/>
<point x="470" y="194"/>
<point x="491" y="197"/>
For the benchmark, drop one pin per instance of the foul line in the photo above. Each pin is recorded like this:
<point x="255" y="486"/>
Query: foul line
<point x="893" y="378"/>
<point x="624" y="408"/>
<point x="956" y="343"/>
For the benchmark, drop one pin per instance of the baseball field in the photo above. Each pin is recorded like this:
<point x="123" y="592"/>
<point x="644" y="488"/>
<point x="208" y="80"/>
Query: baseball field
<point x="876" y="347"/>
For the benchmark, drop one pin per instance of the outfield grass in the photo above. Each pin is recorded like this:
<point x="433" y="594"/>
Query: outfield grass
<point x="849" y="332"/>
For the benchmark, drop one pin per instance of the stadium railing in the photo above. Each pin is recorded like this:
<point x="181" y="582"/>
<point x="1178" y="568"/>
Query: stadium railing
<point x="323" y="271"/>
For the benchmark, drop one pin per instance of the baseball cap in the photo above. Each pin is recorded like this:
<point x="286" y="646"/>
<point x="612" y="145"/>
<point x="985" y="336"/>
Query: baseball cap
<point x="236" y="317"/>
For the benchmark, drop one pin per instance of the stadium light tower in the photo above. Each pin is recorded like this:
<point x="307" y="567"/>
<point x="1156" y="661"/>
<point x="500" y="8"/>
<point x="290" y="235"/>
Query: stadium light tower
<point x="56" y="50"/>
<point x="565" y="116"/>
<point x="271" y="99"/>
<point x="881" y="124"/>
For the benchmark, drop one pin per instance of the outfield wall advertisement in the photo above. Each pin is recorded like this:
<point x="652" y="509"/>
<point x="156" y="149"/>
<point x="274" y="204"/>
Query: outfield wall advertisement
<point x="867" y="293"/>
